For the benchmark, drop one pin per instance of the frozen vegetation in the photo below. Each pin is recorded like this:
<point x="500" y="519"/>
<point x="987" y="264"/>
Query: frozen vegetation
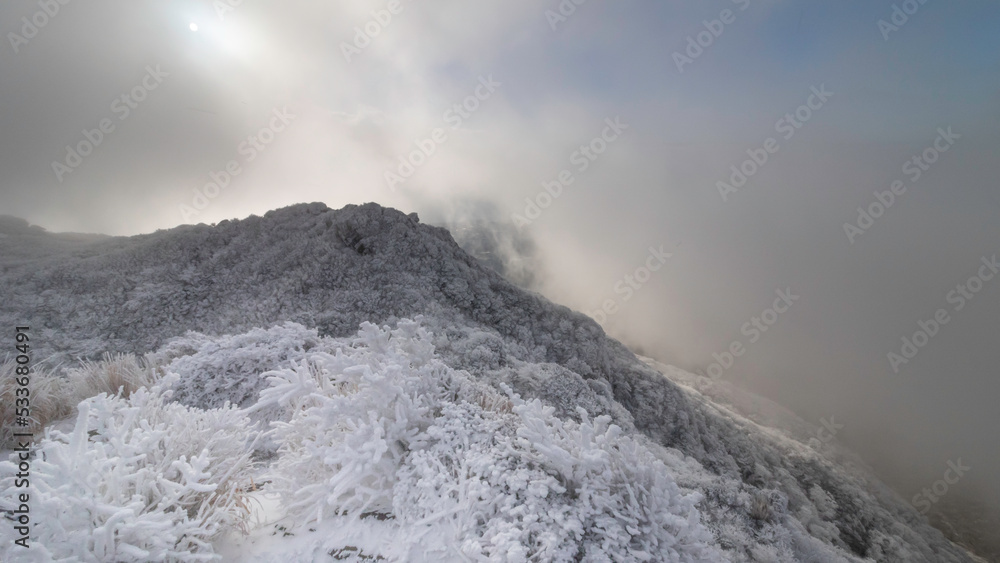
<point x="322" y="384"/>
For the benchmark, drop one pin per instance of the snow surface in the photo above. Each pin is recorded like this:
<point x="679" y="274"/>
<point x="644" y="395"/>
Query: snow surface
<point x="494" y="425"/>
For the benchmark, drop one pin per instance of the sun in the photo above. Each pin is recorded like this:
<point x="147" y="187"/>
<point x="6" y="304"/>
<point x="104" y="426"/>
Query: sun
<point x="224" y="39"/>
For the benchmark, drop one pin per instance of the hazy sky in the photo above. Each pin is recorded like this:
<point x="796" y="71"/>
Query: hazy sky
<point x="300" y="107"/>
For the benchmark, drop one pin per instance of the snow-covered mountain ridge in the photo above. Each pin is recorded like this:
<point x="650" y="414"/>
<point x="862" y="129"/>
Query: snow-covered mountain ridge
<point x="743" y="491"/>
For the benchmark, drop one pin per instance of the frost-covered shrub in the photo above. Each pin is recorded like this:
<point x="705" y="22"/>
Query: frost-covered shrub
<point x="532" y="486"/>
<point x="567" y="392"/>
<point x="214" y="370"/>
<point x="382" y="426"/>
<point x="137" y="479"/>
<point x="352" y="416"/>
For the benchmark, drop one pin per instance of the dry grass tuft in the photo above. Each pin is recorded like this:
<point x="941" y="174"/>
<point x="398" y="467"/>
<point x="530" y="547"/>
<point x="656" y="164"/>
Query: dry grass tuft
<point x="52" y="397"/>
<point x="494" y="402"/>
<point x="116" y="374"/>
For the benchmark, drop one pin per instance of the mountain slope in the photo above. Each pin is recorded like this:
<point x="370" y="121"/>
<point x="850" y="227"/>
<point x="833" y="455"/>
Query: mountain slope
<point x="765" y="496"/>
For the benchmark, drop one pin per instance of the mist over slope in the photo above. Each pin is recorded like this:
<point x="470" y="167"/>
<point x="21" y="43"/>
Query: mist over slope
<point x="765" y="494"/>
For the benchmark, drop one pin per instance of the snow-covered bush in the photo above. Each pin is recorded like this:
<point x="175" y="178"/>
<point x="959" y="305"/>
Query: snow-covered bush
<point x="384" y="427"/>
<point x="353" y="415"/>
<point x="214" y="370"/>
<point x="531" y="486"/>
<point x="137" y="479"/>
